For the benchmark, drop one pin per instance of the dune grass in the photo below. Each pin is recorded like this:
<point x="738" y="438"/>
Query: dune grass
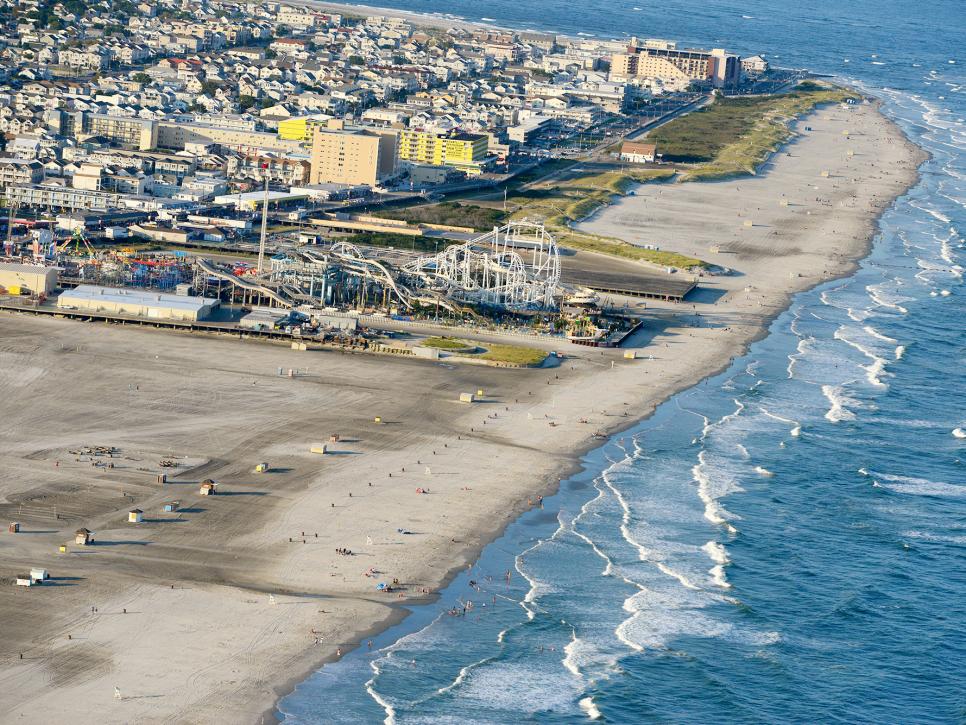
<point x="735" y="136"/>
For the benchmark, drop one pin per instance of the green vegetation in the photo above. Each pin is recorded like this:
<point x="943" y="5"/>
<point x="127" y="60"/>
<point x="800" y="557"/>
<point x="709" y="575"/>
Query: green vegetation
<point x="734" y="136"/>
<point x="513" y="354"/>
<point x="445" y="343"/>
<point x="494" y="352"/>
<point x="448" y="213"/>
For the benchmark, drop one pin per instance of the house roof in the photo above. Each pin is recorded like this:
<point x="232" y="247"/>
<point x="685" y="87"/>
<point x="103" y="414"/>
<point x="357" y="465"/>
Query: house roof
<point x="636" y="147"/>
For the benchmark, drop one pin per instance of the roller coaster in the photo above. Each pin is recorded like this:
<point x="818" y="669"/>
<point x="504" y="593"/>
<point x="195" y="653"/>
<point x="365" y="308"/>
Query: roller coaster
<point x="514" y="268"/>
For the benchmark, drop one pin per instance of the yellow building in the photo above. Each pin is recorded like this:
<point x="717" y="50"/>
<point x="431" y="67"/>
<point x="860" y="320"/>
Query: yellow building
<point x="463" y="151"/>
<point x="300" y="128"/>
<point x="351" y="156"/>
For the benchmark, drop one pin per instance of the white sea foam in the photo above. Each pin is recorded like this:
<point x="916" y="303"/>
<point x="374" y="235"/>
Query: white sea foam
<point x="796" y="426"/>
<point x="713" y="511"/>
<point x="716" y="552"/>
<point x="588" y="706"/>
<point x="801" y="350"/>
<point x="884" y="299"/>
<point x="959" y="433"/>
<point x="939" y="538"/>
<point x="762" y="471"/>
<point x="876" y="369"/>
<point x="719" y="555"/>
<point x="878" y="335"/>
<point x="390" y="718"/>
<point x="743" y="451"/>
<point x="916" y="486"/>
<point x="900" y="351"/>
<point x="838" y="400"/>
<point x="717" y="573"/>
<point x="570" y="654"/>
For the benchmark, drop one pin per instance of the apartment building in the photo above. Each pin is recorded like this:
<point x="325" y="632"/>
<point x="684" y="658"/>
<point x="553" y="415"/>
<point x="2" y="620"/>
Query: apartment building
<point x="55" y="196"/>
<point x="461" y="150"/>
<point x="351" y="156"/>
<point x="133" y="133"/>
<point x="286" y="170"/>
<point x="20" y="171"/>
<point x="174" y="135"/>
<point x="664" y="61"/>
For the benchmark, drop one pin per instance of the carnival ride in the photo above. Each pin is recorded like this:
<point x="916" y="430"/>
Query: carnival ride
<point x="514" y="268"/>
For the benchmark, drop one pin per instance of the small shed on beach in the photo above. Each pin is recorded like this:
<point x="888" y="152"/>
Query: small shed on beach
<point x="208" y="488"/>
<point x="83" y="537"/>
<point x="24" y="580"/>
<point x="39" y="575"/>
<point x="14" y="527"/>
<point x="135" y="516"/>
<point x="171" y="506"/>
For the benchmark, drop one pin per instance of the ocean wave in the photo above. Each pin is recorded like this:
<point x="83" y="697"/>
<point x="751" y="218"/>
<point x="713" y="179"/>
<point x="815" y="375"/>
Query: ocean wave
<point x="938" y="538"/>
<point x="719" y="555"/>
<point x="587" y="705"/>
<point x="796" y="426"/>
<point x="884" y="298"/>
<point x="918" y="486"/>
<point x="802" y="349"/>
<point x="713" y="510"/>
<point x="876" y="369"/>
<point x="838" y="411"/>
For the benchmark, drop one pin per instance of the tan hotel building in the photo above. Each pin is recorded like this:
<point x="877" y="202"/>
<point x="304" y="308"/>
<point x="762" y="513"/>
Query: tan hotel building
<point x="664" y="61"/>
<point x="351" y="156"/>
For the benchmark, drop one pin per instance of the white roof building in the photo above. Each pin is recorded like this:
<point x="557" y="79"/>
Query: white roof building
<point x="137" y="302"/>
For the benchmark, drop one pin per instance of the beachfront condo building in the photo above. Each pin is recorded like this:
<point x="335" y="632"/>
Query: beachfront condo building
<point x="354" y="156"/>
<point x="463" y="151"/>
<point x="664" y="61"/>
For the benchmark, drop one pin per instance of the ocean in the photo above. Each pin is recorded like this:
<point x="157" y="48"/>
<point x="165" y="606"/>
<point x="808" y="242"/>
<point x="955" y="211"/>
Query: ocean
<point x="784" y="542"/>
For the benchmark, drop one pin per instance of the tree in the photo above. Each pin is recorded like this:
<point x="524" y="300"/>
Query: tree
<point x="246" y="102"/>
<point x="209" y="88"/>
<point x="142" y="78"/>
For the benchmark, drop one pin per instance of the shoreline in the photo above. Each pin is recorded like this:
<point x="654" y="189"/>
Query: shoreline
<point x="581" y="464"/>
<point x="243" y="555"/>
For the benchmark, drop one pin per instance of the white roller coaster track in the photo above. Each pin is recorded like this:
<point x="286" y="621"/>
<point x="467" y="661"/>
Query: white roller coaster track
<point x="489" y="271"/>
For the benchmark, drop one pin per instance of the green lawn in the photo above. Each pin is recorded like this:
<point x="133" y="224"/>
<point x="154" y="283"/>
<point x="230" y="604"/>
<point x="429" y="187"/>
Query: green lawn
<point x="445" y="343"/>
<point x="495" y="352"/>
<point x="513" y="354"/>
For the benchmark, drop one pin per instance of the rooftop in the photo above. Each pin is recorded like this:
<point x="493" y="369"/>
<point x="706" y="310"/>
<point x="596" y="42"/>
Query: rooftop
<point x="146" y="298"/>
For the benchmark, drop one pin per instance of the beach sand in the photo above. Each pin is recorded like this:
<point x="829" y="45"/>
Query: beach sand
<point x="233" y="600"/>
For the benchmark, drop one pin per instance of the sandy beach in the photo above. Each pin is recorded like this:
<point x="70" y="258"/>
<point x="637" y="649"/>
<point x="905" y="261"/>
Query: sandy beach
<point x="210" y="613"/>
